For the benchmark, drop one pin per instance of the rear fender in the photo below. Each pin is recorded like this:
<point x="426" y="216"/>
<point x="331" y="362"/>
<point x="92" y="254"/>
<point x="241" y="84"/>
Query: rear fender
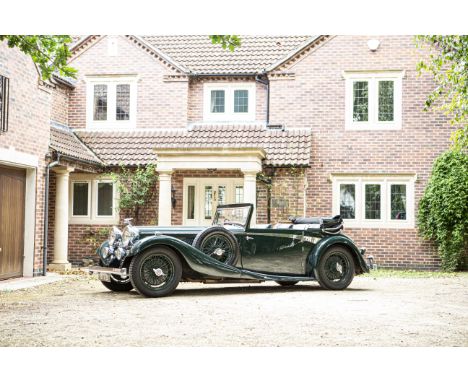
<point x="323" y="245"/>
<point x="195" y="259"/>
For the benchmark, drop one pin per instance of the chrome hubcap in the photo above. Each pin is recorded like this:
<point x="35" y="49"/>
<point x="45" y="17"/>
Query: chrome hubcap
<point x="158" y="272"/>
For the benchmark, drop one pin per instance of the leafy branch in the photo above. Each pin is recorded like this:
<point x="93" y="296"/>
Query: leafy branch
<point x="227" y="41"/>
<point x="49" y="52"/>
<point x="136" y="187"/>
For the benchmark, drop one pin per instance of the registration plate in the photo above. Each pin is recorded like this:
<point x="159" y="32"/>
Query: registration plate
<point x="104" y="277"/>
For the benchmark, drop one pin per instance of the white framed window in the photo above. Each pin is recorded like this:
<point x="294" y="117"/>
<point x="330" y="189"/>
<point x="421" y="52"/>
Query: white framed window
<point x="226" y="102"/>
<point x="111" y="102"/>
<point x="92" y="200"/>
<point x="374" y="201"/>
<point x="373" y="100"/>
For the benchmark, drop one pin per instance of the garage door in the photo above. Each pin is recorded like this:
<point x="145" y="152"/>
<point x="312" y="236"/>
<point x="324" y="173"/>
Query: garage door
<point x="12" y="193"/>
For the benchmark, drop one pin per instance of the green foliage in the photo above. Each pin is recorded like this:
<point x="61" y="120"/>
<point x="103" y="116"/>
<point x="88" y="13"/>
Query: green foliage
<point x="448" y="63"/>
<point x="136" y="187"/>
<point x="226" y="41"/>
<point x="49" y="52"/>
<point x="443" y="209"/>
<point x="95" y="236"/>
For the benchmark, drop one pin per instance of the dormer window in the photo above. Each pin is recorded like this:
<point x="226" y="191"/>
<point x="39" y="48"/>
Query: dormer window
<point x="226" y="102"/>
<point x="111" y="102"/>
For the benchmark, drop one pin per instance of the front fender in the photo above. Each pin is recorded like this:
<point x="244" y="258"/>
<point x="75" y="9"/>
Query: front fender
<point x="323" y="245"/>
<point x="195" y="259"/>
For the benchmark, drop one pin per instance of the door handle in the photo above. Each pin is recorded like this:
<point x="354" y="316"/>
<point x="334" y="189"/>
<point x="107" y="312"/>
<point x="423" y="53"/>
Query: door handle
<point x="248" y="238"/>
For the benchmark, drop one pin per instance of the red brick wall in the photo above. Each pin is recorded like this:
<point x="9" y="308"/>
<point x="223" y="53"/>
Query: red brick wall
<point x="59" y="105"/>
<point x="28" y="132"/>
<point x="315" y="99"/>
<point x="160" y="104"/>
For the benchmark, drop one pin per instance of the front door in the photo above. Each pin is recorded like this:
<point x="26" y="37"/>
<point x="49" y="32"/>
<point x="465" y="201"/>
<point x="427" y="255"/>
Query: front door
<point x="202" y="196"/>
<point x="12" y="200"/>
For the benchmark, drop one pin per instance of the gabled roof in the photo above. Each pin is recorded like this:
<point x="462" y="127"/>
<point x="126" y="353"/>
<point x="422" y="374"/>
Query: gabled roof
<point x="64" y="141"/>
<point x="283" y="148"/>
<point x="196" y="55"/>
<point x="200" y="56"/>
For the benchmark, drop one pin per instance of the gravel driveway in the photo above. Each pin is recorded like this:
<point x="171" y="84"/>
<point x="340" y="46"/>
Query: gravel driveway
<point x="79" y="311"/>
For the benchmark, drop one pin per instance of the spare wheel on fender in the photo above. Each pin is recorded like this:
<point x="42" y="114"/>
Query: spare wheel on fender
<point x="218" y="243"/>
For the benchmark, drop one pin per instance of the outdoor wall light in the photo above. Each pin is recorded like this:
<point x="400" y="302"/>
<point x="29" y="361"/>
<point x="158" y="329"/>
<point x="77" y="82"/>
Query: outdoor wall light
<point x="173" y="199"/>
<point x="373" y="44"/>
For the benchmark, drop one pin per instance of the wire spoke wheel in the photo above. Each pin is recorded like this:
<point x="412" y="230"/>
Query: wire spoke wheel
<point x="218" y="247"/>
<point x="336" y="267"/>
<point x="156" y="271"/>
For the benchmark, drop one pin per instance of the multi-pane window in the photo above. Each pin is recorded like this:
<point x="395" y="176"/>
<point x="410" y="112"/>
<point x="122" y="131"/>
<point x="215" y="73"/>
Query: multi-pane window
<point x="373" y="100"/>
<point x="398" y="201"/>
<point x="241" y="101"/>
<point x="374" y="201"/>
<point x="386" y="101"/>
<point x="80" y="199"/>
<point x="111" y="102"/>
<point x="105" y="198"/>
<point x="239" y="197"/>
<point x="360" y="101"/>
<point x="100" y="102"/>
<point x="217" y="101"/>
<point x="348" y="201"/>
<point x="208" y="202"/>
<point x="92" y="201"/>
<point x="226" y="102"/>
<point x="123" y="103"/>
<point x="4" y="97"/>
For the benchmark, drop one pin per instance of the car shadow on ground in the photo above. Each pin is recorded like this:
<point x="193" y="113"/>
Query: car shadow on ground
<point x="234" y="290"/>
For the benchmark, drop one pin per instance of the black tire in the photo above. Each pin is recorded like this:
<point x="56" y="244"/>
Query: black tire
<point x="335" y="269"/>
<point x="117" y="284"/>
<point x="286" y="283"/>
<point x="218" y="243"/>
<point x="151" y="284"/>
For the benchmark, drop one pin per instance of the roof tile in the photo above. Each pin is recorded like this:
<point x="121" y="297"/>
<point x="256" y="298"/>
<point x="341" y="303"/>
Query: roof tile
<point x="283" y="148"/>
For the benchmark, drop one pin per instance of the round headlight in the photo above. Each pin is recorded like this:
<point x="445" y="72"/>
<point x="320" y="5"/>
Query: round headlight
<point x="114" y="234"/>
<point x="104" y="252"/>
<point x="128" y="234"/>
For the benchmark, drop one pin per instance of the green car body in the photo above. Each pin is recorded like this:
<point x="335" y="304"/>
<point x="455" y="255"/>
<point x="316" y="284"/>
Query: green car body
<point x="282" y="253"/>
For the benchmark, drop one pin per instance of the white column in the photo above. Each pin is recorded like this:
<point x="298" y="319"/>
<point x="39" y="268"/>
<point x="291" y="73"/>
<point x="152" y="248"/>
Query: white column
<point x="60" y="262"/>
<point x="165" y="205"/>
<point x="250" y="193"/>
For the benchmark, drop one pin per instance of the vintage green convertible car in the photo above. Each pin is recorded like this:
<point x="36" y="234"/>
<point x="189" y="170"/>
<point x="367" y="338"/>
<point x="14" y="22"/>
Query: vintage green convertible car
<point x="153" y="260"/>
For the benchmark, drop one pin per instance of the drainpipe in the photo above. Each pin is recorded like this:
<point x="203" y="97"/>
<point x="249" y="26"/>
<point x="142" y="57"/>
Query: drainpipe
<point x="46" y="214"/>
<point x="265" y="82"/>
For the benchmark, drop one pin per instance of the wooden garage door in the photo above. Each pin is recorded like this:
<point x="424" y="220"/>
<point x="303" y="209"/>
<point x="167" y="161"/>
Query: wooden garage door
<point x="12" y="192"/>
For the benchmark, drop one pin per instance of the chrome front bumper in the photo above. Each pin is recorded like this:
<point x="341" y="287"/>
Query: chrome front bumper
<point x="114" y="271"/>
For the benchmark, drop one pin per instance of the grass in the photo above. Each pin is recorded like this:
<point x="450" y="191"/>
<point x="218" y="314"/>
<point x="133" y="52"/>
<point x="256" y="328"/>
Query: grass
<point x="412" y="274"/>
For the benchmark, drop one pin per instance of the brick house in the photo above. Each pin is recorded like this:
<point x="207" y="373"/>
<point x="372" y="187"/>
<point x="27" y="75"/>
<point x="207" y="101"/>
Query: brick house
<point x="297" y="125"/>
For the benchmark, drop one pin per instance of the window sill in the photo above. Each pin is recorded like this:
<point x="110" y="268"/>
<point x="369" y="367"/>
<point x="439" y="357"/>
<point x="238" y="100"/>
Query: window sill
<point x="94" y="221"/>
<point x="372" y="127"/>
<point x="377" y="224"/>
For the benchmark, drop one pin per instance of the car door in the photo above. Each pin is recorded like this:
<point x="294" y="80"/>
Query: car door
<point x="277" y="251"/>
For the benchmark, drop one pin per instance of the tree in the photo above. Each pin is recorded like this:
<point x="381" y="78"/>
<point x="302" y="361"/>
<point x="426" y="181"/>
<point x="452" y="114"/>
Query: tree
<point x="448" y="63"/>
<point x="49" y="52"/>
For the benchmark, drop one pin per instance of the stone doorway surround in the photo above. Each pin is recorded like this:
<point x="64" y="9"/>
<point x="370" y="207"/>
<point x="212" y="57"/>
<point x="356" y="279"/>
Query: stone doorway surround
<point x="247" y="160"/>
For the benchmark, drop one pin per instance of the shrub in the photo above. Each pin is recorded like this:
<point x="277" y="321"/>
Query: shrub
<point x="443" y="209"/>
